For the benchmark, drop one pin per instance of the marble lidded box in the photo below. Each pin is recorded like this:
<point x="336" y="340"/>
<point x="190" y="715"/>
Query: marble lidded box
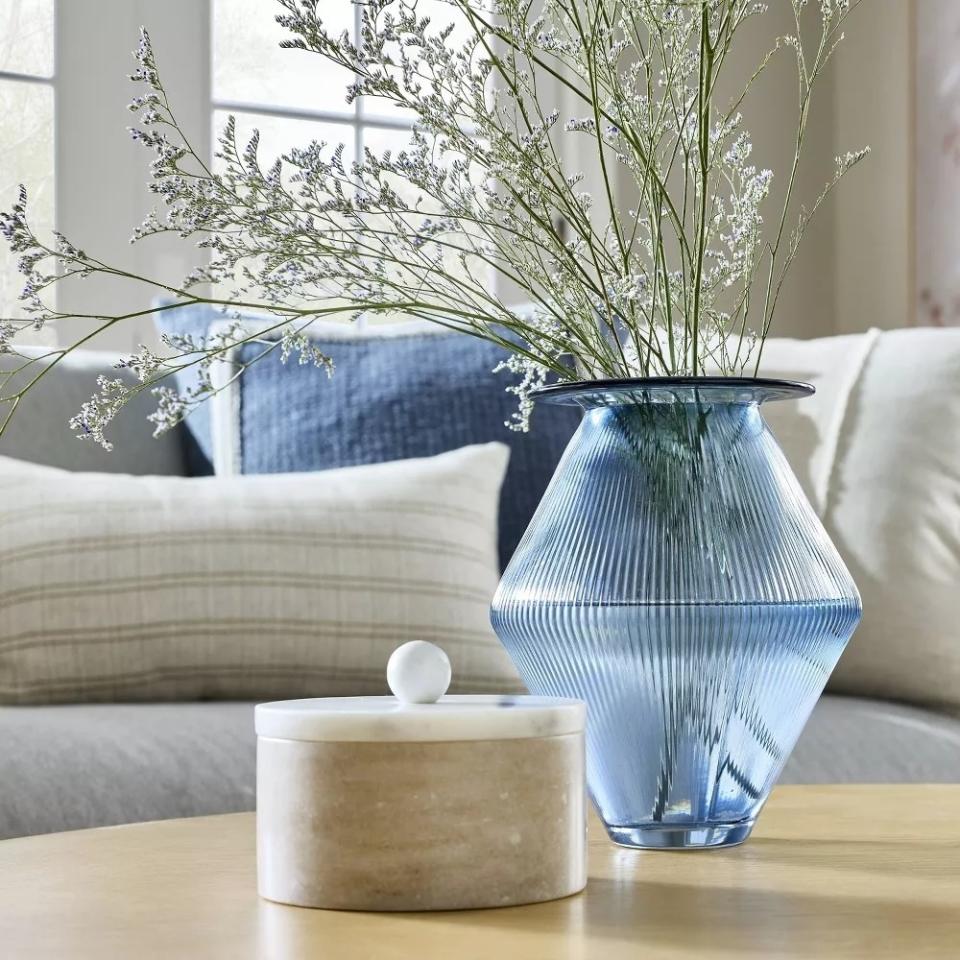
<point x="370" y="803"/>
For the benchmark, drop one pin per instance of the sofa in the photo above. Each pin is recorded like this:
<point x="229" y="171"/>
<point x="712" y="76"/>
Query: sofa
<point x="82" y="765"/>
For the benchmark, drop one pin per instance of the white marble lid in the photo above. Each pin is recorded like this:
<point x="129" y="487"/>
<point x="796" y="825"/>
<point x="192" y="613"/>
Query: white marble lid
<point x="374" y="719"/>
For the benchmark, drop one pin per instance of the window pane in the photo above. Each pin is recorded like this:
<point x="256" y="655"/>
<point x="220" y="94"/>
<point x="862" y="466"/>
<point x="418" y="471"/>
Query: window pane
<point x="379" y="140"/>
<point x="250" y="67"/>
<point x="26" y="37"/>
<point x="26" y="156"/>
<point x="442" y="14"/>
<point x="279" y="134"/>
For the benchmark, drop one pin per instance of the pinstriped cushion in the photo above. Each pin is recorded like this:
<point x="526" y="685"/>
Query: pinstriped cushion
<point x="116" y="587"/>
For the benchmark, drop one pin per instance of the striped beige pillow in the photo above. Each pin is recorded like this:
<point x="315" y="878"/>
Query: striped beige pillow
<point x="116" y="587"/>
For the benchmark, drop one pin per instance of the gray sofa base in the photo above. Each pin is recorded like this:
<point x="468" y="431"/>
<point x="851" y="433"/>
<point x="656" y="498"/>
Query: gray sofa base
<point x="69" y="767"/>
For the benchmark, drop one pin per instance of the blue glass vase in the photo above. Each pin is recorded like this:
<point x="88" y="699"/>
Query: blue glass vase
<point x="676" y="578"/>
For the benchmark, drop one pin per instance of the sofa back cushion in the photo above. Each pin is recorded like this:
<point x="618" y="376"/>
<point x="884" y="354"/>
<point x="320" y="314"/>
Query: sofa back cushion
<point x="40" y="431"/>
<point x="879" y="451"/>
<point x="117" y="587"/>
<point x="398" y="391"/>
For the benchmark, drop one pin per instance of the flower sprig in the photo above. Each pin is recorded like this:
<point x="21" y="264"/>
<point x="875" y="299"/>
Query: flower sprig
<point x="679" y="276"/>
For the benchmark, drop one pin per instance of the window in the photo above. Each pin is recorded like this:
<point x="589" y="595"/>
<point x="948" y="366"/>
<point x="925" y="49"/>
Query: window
<point x="63" y="93"/>
<point x="295" y="96"/>
<point x="26" y="122"/>
<point x="291" y="96"/>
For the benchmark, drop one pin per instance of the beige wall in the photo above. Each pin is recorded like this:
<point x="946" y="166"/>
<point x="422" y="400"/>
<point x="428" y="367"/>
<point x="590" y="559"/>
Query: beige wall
<point x="102" y="174"/>
<point x="873" y="214"/>
<point x="856" y="269"/>
<point x="771" y="114"/>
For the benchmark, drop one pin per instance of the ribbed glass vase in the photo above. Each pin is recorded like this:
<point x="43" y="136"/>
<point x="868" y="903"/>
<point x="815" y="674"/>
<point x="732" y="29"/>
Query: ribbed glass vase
<point x="676" y="578"/>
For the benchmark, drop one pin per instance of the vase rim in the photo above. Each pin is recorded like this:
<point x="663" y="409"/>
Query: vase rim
<point x="672" y="390"/>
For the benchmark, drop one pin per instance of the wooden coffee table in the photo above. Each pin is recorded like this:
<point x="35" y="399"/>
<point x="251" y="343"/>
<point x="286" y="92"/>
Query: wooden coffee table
<point x="851" y="871"/>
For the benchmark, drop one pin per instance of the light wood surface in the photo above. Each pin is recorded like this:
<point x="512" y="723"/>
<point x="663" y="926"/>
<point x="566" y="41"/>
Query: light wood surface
<point x="851" y="871"/>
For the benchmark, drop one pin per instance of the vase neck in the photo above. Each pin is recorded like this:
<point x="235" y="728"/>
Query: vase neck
<point x="688" y="423"/>
<point x="651" y="392"/>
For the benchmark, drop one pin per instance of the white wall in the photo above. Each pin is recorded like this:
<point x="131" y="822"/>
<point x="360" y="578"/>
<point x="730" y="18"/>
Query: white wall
<point x="98" y="211"/>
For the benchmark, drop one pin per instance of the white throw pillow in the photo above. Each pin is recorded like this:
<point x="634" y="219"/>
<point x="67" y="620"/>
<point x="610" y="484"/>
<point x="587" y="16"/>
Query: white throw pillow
<point x="878" y="451"/>
<point x="116" y="587"/>
<point x="809" y="429"/>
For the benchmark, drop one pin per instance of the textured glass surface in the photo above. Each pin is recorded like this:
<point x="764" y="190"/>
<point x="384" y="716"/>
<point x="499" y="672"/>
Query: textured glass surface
<point x="676" y="578"/>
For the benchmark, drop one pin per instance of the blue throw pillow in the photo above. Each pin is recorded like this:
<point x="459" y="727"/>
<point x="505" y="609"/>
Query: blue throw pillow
<point x="392" y="397"/>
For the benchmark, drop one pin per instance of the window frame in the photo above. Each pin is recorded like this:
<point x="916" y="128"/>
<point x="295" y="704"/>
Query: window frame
<point x="101" y="177"/>
<point x="27" y="77"/>
<point x="50" y="82"/>
<point x="357" y="119"/>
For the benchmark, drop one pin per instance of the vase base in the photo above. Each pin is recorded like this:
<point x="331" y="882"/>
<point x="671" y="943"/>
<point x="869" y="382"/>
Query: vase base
<point x="675" y="836"/>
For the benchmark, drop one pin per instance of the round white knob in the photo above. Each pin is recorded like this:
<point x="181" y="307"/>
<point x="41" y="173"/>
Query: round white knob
<point x="418" y="672"/>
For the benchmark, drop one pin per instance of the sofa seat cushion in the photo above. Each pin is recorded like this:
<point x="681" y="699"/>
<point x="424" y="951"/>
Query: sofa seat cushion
<point x="853" y="740"/>
<point x="92" y="765"/>
<point x="68" y="767"/>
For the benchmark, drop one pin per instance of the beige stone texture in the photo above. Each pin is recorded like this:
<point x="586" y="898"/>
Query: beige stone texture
<point x="420" y="826"/>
